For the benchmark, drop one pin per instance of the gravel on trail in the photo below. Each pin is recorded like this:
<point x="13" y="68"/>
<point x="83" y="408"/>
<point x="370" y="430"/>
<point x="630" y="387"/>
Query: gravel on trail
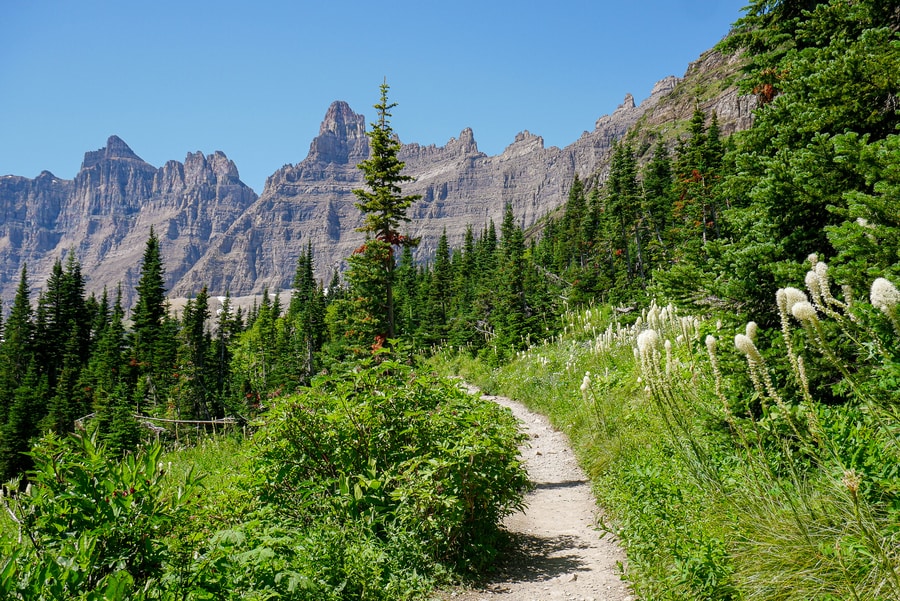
<point x="558" y="551"/>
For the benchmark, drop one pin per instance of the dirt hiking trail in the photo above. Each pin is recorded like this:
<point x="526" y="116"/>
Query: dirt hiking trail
<point x="558" y="552"/>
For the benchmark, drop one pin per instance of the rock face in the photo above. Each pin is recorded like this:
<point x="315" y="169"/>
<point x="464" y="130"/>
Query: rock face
<point x="105" y="214"/>
<point x="215" y="231"/>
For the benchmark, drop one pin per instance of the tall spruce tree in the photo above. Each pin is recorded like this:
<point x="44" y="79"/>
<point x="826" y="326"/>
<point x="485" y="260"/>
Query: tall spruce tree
<point x="148" y="319"/>
<point x="305" y="319"/>
<point x="440" y="289"/>
<point x="194" y="356"/>
<point x="624" y="231"/>
<point x="228" y="327"/>
<point x="383" y="203"/>
<point x="509" y="320"/>
<point x="19" y="411"/>
<point x="406" y="289"/>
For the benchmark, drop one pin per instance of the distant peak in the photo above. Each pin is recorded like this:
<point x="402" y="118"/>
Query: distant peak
<point x="342" y="136"/>
<point x="338" y="116"/>
<point x="524" y="143"/>
<point x="115" y="148"/>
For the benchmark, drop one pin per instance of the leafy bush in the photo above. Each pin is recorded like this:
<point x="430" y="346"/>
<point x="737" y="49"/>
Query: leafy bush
<point x="90" y="527"/>
<point x="396" y="450"/>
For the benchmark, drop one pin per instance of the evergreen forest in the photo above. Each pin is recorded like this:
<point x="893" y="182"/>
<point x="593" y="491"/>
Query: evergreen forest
<point x="714" y="322"/>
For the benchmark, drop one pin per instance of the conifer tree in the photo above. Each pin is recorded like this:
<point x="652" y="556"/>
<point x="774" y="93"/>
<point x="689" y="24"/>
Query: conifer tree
<point x="61" y="307"/>
<point x="622" y="216"/>
<point x="16" y="346"/>
<point x="104" y="377"/>
<point x="510" y="317"/>
<point x="28" y="406"/>
<point x="406" y="298"/>
<point x="68" y="401"/>
<point x="305" y="319"/>
<point x="194" y="356"/>
<point x="383" y="203"/>
<point x="228" y="327"/>
<point x="659" y="198"/>
<point x="20" y="408"/>
<point x="438" y="298"/>
<point x="486" y="260"/>
<point x="573" y="217"/>
<point x="463" y="315"/>
<point x="151" y="346"/>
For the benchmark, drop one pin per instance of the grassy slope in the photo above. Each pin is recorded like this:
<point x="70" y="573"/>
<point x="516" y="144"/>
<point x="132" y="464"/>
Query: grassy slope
<point x="705" y="512"/>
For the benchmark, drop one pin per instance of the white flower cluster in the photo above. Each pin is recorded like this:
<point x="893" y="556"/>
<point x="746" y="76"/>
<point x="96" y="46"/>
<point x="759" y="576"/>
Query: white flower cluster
<point x="884" y="295"/>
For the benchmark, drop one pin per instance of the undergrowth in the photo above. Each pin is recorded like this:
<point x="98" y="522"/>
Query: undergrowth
<point x="380" y="483"/>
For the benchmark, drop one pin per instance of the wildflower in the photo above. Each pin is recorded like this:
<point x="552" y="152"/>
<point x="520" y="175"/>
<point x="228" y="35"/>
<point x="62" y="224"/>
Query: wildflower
<point x="822" y="272"/>
<point x="746" y="346"/>
<point x="851" y="480"/>
<point x="647" y="341"/>
<point x="750" y="330"/>
<point x="653" y="315"/>
<point x="848" y="294"/>
<point x="711" y="343"/>
<point x="586" y="384"/>
<point x="792" y="296"/>
<point x="884" y="295"/>
<point x="804" y="311"/>
<point x="813" y="259"/>
<point x="813" y="285"/>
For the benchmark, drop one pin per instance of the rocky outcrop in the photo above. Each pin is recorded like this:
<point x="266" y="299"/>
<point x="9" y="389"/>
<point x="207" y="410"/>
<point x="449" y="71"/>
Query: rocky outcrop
<point x="707" y="83"/>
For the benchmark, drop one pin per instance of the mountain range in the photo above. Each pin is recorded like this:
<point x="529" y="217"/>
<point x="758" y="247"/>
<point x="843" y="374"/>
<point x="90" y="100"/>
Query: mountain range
<point x="216" y="231"/>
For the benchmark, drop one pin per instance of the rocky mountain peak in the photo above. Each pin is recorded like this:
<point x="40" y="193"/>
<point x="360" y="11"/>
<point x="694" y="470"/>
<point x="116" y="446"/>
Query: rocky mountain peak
<point x="211" y="168"/>
<point x="466" y="141"/>
<point x="115" y="148"/>
<point x="524" y="143"/>
<point x="342" y="136"/>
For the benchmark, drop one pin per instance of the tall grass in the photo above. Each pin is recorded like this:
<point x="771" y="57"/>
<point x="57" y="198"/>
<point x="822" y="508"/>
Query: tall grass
<point x="735" y="462"/>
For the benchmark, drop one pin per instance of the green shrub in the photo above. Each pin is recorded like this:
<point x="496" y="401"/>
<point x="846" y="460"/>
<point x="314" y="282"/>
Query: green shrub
<point x="397" y="450"/>
<point x="91" y="527"/>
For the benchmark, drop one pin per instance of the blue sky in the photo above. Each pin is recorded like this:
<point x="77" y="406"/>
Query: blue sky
<point x="254" y="79"/>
